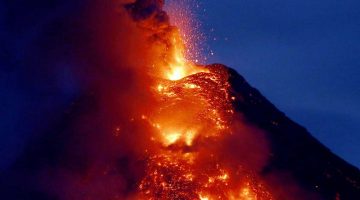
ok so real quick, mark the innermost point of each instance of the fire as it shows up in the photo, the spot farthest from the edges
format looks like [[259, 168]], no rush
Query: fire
[[189, 137], [203, 197], [194, 109], [176, 73], [179, 66], [193, 113], [171, 138]]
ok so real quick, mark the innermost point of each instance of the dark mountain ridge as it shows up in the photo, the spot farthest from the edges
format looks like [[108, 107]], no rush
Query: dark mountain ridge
[[293, 148]]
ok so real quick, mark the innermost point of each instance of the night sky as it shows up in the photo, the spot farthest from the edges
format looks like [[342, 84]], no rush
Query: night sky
[[304, 56]]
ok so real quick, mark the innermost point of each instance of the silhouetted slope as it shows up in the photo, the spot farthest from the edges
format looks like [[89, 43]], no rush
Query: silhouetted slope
[[293, 148]]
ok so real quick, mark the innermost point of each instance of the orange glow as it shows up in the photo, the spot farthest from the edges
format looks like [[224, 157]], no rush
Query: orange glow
[[204, 197], [245, 194], [171, 138], [178, 66], [189, 137], [193, 106], [191, 116]]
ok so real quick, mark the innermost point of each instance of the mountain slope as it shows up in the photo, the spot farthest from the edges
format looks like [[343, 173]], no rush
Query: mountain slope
[[293, 148]]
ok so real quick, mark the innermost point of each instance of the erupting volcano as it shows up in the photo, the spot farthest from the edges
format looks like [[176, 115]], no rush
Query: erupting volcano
[[192, 112], [191, 115], [165, 128]]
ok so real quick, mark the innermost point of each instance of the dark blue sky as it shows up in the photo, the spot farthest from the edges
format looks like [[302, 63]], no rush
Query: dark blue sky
[[304, 56]]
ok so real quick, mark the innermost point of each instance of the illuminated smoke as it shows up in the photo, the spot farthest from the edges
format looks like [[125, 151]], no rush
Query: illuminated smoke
[[164, 40], [154, 125], [192, 118]]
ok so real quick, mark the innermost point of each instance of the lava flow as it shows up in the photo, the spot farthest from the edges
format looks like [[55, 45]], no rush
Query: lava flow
[[192, 118]]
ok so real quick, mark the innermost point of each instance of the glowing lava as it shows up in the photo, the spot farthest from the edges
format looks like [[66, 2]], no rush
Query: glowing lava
[[178, 66], [192, 116], [194, 113]]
